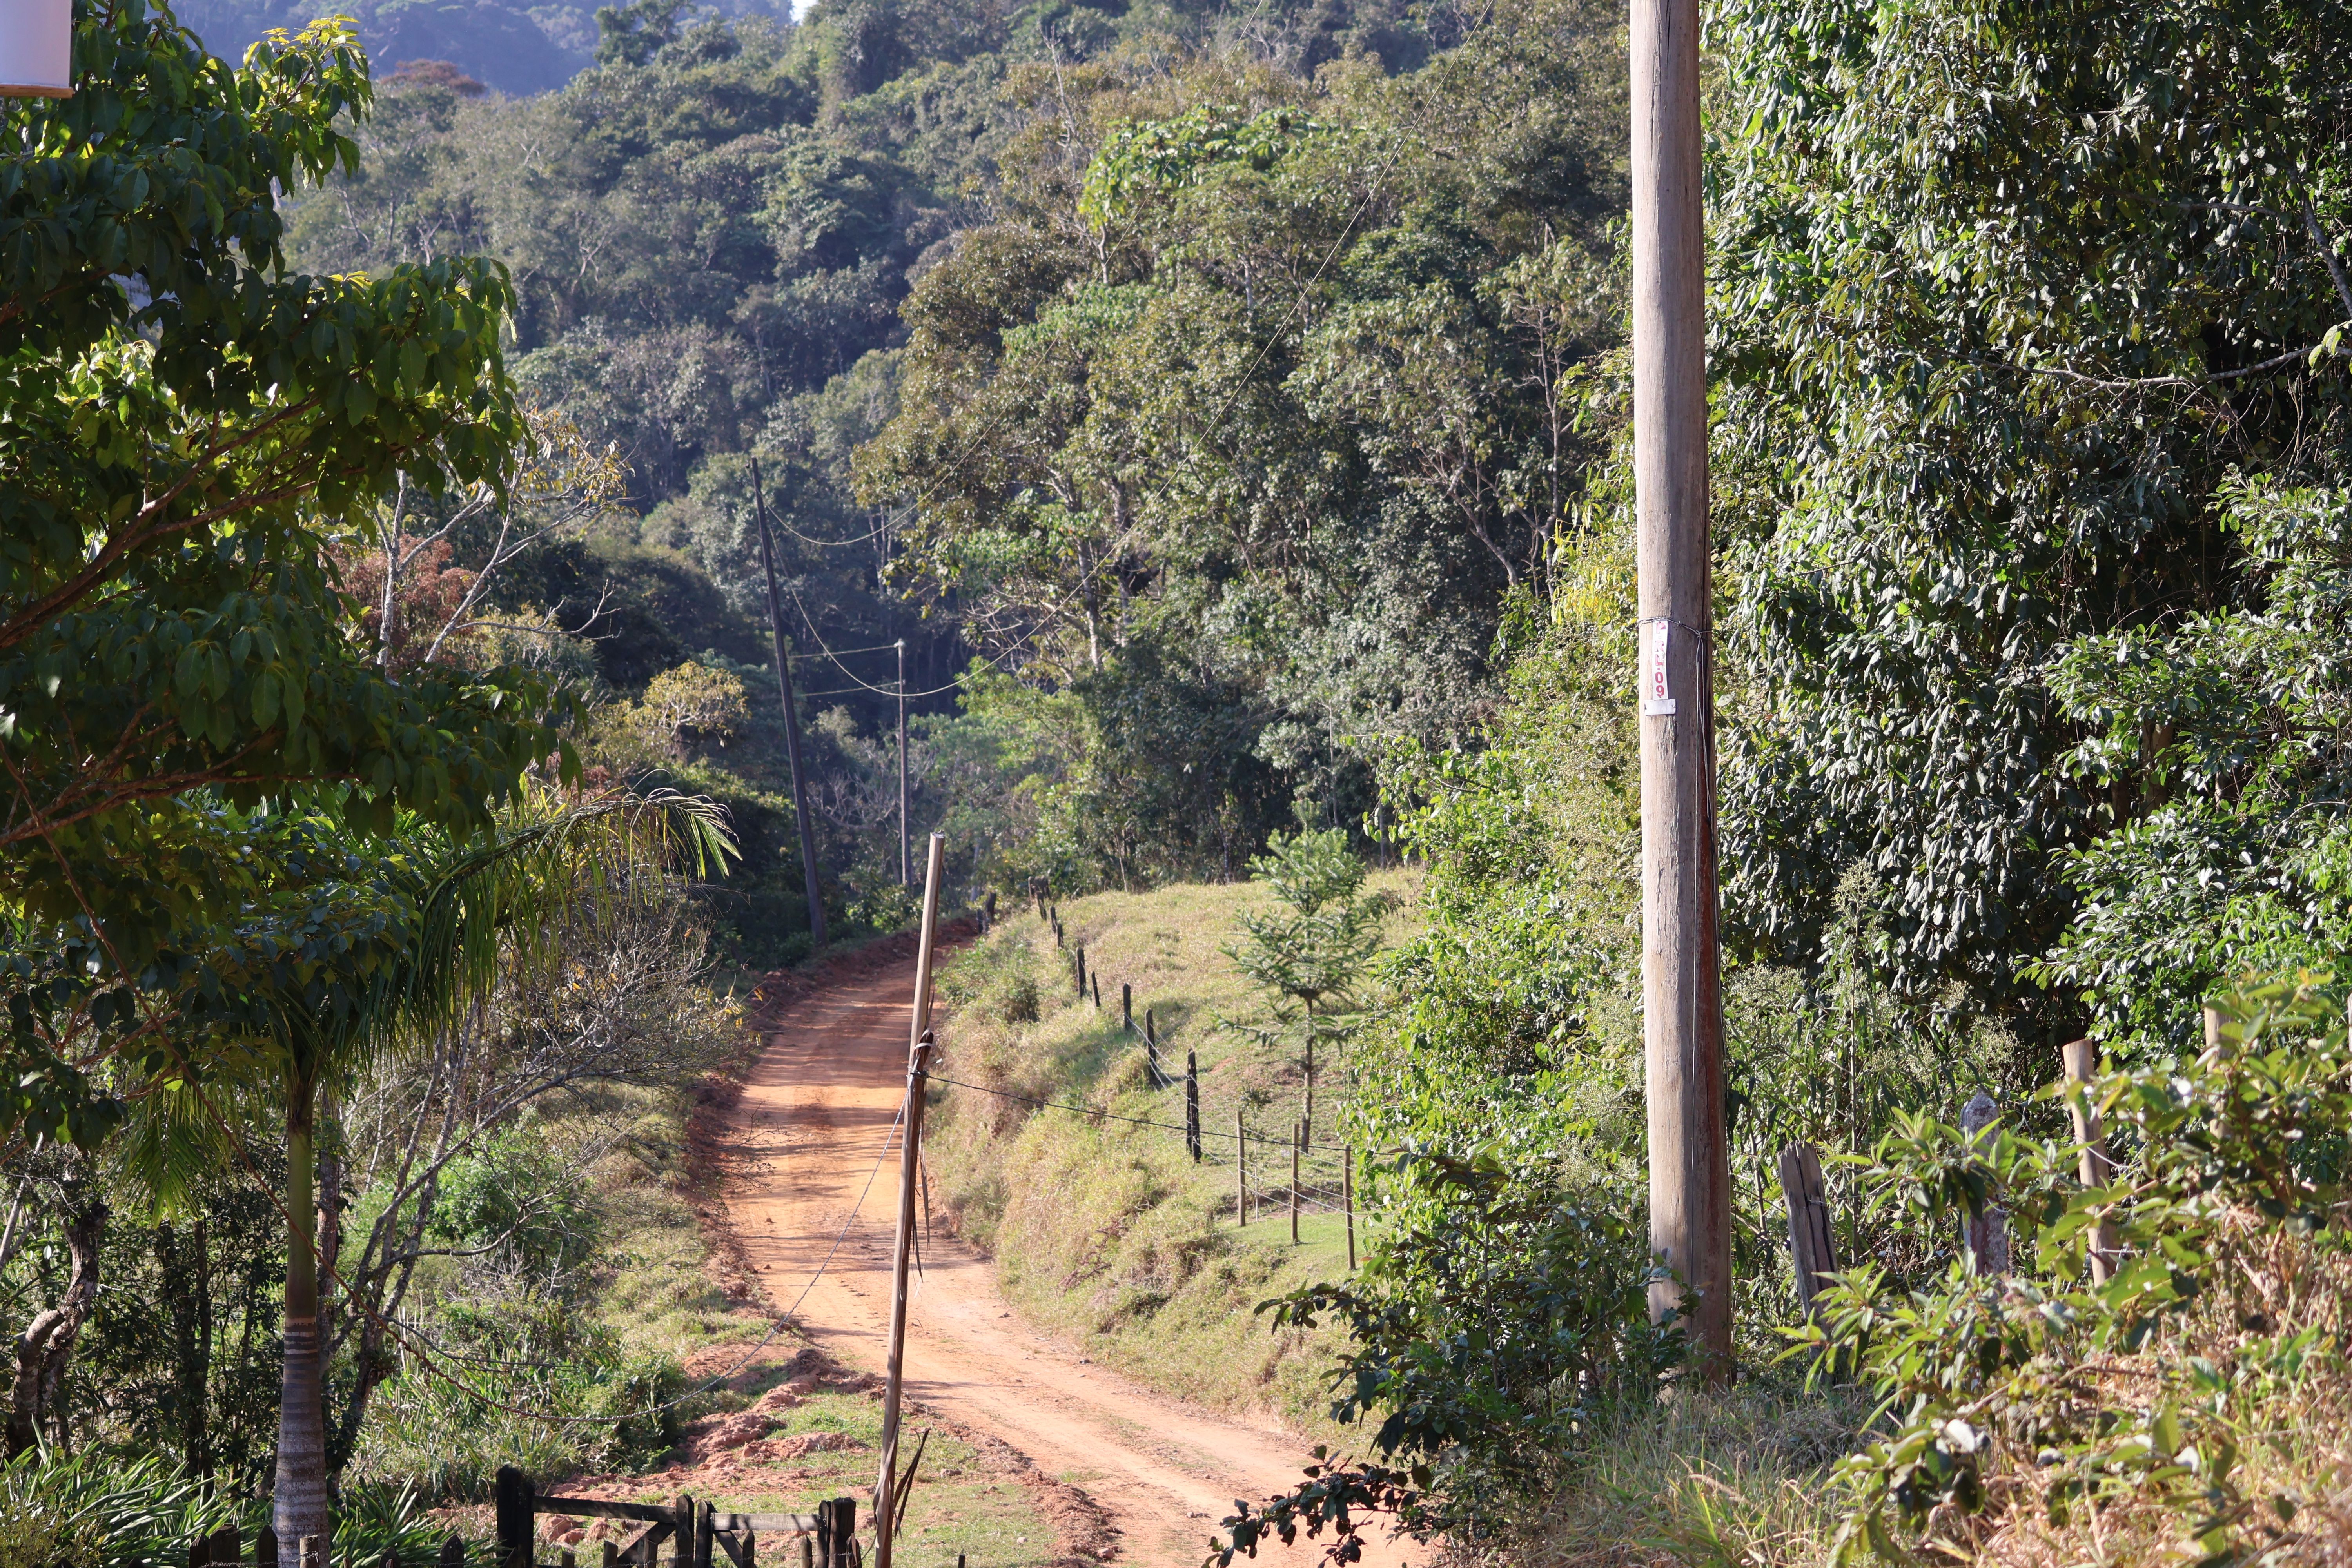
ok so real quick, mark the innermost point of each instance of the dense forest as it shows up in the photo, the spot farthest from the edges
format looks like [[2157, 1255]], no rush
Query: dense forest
[[1210, 427]]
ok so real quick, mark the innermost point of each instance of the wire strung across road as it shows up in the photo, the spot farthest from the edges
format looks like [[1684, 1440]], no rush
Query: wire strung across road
[[1089, 1111]]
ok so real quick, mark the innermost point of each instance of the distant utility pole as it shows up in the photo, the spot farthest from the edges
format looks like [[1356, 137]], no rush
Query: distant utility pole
[[791, 716], [1682, 983], [906, 854]]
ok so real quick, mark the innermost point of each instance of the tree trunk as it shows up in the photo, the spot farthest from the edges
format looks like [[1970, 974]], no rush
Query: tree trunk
[[47, 1343], [300, 1503], [187, 1291]]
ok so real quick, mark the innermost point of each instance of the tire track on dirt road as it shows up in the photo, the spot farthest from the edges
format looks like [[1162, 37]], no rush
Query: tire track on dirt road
[[801, 1140]]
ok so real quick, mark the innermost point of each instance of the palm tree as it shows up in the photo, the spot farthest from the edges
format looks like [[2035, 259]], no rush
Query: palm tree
[[355, 954]]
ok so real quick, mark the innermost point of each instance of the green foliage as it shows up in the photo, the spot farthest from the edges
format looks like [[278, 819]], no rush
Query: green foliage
[[2005, 297], [1140, 160], [1498, 1322], [181, 411], [2223, 1218], [514, 1201], [1290, 522], [2218, 724], [447, 1433], [1310, 954], [97, 1509]]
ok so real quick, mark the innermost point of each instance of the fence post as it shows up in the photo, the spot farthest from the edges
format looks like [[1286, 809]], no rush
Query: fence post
[[1348, 1198], [1298, 1142], [515, 1502], [1082, 972], [453, 1551], [683, 1517], [1095, 980], [1127, 1007], [1241, 1169], [265, 1549], [1985, 1238], [1193, 1105], [2096, 1169], [1812, 1255]]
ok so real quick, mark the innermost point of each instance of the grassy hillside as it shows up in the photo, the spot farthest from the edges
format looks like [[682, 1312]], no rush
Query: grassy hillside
[[1105, 1231]]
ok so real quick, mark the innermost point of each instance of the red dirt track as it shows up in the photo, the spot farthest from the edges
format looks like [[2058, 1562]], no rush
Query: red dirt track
[[803, 1153]]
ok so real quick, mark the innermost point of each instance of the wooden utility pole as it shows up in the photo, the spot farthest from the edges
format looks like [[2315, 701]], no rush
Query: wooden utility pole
[[1682, 986], [791, 716], [906, 850], [910, 1152]]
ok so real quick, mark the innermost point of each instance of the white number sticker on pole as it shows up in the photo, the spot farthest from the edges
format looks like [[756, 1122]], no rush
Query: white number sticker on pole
[[1656, 697]]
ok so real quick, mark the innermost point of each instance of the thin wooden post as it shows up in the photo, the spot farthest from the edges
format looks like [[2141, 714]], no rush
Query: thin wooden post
[[1193, 1105], [1298, 1142], [905, 850], [514, 1503], [1348, 1198], [1241, 1169], [1812, 1254], [2095, 1169], [1127, 1007], [706, 1534], [682, 1517], [1682, 982], [265, 1549], [612, 1555], [909, 1155], [453, 1551], [310, 1551], [1082, 972], [1985, 1239], [792, 718], [1095, 979]]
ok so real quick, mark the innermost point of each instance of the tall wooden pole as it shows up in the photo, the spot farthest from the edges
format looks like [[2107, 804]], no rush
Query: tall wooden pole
[[791, 716], [905, 852], [1681, 987], [910, 1152]]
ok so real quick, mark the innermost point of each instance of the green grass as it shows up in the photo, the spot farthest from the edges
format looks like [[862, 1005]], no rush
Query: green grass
[[1107, 1232]]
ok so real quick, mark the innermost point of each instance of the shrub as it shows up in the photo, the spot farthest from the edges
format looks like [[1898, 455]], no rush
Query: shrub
[[1495, 1324], [2153, 1400]]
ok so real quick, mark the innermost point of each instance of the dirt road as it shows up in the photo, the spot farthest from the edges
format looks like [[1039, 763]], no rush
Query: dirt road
[[806, 1145]]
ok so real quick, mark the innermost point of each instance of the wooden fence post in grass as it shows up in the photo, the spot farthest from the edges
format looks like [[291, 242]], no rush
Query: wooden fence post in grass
[[1812, 1254], [1193, 1105], [453, 1553], [1241, 1169], [1985, 1238], [1152, 1049], [1095, 980], [2096, 1170], [1298, 1142], [1127, 1007], [513, 1504], [682, 1523], [1348, 1198], [1082, 972]]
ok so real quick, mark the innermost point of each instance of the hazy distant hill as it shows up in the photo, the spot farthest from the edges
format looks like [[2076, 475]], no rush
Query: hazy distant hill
[[514, 48]]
